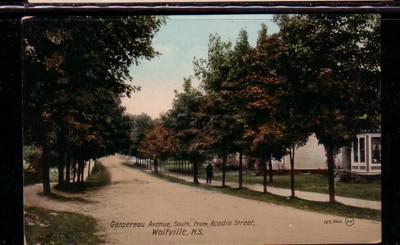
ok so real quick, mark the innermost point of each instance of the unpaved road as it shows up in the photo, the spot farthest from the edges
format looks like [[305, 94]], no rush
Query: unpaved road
[[135, 196]]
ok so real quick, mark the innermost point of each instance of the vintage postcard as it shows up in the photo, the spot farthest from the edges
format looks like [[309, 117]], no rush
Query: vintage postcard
[[202, 129]]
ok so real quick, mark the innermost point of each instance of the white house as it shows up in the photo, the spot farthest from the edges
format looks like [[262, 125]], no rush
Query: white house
[[364, 155]]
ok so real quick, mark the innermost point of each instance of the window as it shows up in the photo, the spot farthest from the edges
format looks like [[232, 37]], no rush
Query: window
[[355, 151], [362, 149], [376, 149]]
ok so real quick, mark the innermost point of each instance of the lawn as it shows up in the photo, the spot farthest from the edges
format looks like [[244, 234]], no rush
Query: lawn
[[44, 226], [318, 183]]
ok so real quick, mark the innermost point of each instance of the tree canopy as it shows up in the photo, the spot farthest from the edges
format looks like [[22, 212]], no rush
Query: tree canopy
[[73, 83]]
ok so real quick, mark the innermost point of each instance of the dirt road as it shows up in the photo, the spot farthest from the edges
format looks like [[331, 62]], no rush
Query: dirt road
[[135, 198]]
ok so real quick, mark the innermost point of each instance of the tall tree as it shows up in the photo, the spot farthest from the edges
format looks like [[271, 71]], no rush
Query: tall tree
[[286, 62], [64, 67], [183, 120], [339, 75], [220, 73]]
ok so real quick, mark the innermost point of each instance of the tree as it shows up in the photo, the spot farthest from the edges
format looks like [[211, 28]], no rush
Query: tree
[[220, 73], [183, 120], [139, 125], [158, 143], [65, 69], [293, 113], [339, 75]]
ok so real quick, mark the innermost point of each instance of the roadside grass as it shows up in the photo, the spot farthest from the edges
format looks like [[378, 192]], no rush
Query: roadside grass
[[338, 209], [45, 226], [312, 183], [317, 183], [100, 176]]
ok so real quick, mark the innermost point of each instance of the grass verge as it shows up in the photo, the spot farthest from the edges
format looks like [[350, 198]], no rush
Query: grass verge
[[319, 184], [100, 176], [44, 226], [312, 183], [321, 207]]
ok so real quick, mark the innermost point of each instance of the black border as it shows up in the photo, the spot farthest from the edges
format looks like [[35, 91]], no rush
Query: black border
[[48, 10], [11, 187]]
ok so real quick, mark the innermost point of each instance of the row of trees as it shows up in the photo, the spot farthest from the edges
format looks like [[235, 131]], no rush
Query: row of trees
[[75, 71], [318, 75]]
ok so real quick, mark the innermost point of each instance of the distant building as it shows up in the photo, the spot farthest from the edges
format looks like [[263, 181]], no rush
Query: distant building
[[363, 156], [311, 156]]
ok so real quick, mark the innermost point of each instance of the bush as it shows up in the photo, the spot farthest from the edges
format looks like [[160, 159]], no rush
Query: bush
[[31, 177], [31, 156], [100, 176], [346, 177]]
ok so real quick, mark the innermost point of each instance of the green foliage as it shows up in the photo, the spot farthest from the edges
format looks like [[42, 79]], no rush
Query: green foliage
[[140, 124], [100, 176], [31, 156], [331, 63], [73, 83], [339, 75], [183, 120]]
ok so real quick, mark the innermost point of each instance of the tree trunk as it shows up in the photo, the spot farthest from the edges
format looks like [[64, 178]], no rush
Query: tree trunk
[[68, 172], [74, 171], [83, 171], [264, 166], [195, 172], [78, 176], [330, 155], [240, 170], [156, 165], [60, 174], [88, 172], [291, 153], [223, 168], [270, 173], [45, 171]]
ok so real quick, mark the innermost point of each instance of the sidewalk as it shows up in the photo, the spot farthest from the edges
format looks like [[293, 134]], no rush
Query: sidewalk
[[312, 196]]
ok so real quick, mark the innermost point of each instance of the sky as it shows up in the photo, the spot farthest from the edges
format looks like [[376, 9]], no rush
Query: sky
[[179, 41]]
